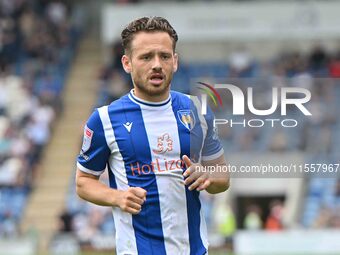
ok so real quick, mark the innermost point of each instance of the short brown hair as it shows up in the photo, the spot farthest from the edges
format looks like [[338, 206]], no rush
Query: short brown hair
[[147, 24]]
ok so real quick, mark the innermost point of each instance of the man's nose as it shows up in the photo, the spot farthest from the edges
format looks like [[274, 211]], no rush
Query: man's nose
[[156, 65]]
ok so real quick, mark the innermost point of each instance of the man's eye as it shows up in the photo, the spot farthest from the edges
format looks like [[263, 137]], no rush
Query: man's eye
[[165, 57], [146, 57]]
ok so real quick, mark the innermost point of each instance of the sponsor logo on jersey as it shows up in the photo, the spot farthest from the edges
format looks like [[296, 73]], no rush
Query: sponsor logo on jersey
[[87, 139], [187, 118], [164, 144], [158, 166], [84, 156], [128, 126]]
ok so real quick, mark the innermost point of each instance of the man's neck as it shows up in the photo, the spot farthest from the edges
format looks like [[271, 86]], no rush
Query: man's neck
[[155, 99]]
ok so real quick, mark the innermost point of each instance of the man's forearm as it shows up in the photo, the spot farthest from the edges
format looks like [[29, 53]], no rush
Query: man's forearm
[[96, 192], [219, 180], [218, 185]]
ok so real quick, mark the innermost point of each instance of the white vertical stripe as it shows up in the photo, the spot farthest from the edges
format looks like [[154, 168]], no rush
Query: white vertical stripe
[[203, 228], [125, 234], [204, 126], [171, 189], [202, 120]]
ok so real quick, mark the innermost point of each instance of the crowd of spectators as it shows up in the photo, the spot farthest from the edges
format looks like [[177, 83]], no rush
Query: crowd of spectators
[[315, 71], [37, 42]]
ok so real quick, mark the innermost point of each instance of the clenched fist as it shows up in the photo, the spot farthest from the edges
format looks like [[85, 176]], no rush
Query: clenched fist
[[131, 200]]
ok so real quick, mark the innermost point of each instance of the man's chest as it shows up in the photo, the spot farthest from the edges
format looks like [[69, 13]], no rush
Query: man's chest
[[146, 137], [153, 135]]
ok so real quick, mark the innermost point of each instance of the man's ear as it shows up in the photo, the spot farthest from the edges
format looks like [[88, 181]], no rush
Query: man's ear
[[126, 63], [175, 62]]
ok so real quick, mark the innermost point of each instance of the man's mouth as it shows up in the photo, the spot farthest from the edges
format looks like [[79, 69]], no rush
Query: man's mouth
[[156, 79]]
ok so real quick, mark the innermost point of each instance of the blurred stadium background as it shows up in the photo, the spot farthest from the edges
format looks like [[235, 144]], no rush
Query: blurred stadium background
[[60, 59]]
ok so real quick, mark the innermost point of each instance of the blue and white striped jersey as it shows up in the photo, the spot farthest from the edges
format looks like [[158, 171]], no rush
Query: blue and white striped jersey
[[141, 144]]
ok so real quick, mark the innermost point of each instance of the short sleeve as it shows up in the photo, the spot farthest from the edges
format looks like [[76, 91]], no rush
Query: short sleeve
[[212, 147], [95, 152]]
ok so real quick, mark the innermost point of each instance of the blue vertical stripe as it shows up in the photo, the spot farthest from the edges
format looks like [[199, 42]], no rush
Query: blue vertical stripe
[[190, 140], [95, 152], [148, 223], [112, 179]]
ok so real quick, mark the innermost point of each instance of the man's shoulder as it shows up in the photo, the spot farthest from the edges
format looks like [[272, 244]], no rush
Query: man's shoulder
[[180, 98], [185, 99], [176, 94], [116, 104]]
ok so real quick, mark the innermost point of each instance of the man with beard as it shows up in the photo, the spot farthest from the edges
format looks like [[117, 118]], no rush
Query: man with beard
[[148, 140]]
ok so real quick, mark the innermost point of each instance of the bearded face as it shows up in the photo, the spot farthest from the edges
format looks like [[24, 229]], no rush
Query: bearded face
[[151, 63]]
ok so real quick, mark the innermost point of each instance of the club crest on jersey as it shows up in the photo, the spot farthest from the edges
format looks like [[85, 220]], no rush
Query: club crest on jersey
[[187, 118], [88, 134]]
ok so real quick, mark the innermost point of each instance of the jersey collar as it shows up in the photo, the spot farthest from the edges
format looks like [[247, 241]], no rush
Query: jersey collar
[[148, 103]]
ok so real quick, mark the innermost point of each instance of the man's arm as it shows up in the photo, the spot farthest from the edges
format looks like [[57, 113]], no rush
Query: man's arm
[[200, 179], [89, 188], [220, 181]]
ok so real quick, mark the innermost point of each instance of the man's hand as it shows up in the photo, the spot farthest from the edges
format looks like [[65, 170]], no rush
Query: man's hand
[[131, 200], [200, 179], [195, 176]]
